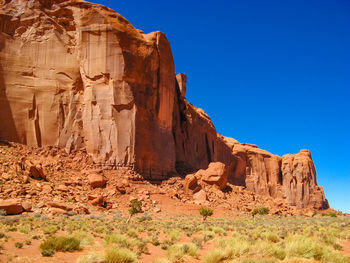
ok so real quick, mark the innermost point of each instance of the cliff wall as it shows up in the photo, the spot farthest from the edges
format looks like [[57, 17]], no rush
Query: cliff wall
[[80, 76]]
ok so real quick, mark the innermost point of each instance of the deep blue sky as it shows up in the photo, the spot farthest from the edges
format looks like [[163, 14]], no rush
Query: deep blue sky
[[273, 73]]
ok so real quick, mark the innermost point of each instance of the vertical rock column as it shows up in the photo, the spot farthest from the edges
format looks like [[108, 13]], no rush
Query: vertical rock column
[[299, 178], [109, 108]]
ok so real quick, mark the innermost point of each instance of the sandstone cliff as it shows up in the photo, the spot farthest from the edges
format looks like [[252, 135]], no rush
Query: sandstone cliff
[[80, 76]]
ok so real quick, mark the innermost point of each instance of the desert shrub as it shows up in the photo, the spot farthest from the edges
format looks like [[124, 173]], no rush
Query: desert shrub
[[333, 214], [50, 229], [61, 243], [28, 242], [141, 247], [132, 233], [228, 248], [260, 260], [47, 252], [120, 255], [35, 237], [198, 242], [207, 235], [272, 237], [215, 256], [91, 258], [161, 260], [174, 235], [205, 212], [135, 208], [269, 250], [177, 252], [154, 240], [165, 244], [119, 240], [260, 211], [218, 230], [299, 246], [18, 244], [84, 238]]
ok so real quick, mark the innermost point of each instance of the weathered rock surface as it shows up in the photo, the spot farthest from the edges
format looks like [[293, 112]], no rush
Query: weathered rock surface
[[11, 206], [216, 174], [96, 180], [79, 76], [299, 181]]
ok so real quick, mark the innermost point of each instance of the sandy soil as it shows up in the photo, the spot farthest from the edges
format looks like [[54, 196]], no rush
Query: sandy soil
[[346, 248]]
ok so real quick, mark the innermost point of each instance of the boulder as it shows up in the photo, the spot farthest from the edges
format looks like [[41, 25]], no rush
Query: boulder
[[27, 206], [36, 170], [60, 205], [58, 211], [98, 201], [191, 184], [97, 180], [200, 196], [122, 185], [215, 174], [11, 206]]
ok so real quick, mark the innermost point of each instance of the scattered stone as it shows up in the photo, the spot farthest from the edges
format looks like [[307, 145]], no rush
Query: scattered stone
[[46, 189], [99, 201], [11, 206], [36, 171], [59, 211], [62, 206], [157, 210], [27, 206], [96, 180], [200, 196], [72, 213], [25, 179]]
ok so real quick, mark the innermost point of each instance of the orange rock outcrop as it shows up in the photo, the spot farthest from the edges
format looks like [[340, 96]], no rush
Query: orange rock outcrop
[[79, 76]]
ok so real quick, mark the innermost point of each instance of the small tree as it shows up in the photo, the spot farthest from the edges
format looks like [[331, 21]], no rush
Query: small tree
[[205, 212], [260, 211], [135, 208]]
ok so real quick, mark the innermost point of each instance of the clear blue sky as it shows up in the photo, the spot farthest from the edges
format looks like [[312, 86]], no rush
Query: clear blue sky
[[273, 73]]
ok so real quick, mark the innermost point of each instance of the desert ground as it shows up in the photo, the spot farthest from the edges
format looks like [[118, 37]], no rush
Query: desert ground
[[167, 237]]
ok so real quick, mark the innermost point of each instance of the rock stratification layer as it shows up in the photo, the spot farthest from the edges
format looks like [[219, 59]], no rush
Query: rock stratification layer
[[80, 76]]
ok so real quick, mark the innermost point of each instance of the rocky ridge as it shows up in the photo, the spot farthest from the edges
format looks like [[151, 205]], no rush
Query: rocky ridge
[[78, 76], [72, 184]]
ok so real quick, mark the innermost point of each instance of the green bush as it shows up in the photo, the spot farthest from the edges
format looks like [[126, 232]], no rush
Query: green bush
[[63, 244], [260, 211], [135, 208], [205, 212], [47, 252], [18, 245]]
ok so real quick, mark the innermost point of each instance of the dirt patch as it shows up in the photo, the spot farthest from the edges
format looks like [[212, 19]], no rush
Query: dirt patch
[[346, 248]]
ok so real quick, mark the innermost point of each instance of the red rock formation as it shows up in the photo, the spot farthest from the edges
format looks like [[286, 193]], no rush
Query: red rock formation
[[11, 206], [216, 174], [299, 181], [80, 76]]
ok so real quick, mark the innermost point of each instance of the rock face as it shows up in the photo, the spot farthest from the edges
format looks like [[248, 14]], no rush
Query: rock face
[[299, 181], [78, 75], [11, 206]]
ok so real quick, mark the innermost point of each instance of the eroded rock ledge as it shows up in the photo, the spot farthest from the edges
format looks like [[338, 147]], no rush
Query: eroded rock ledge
[[80, 76]]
